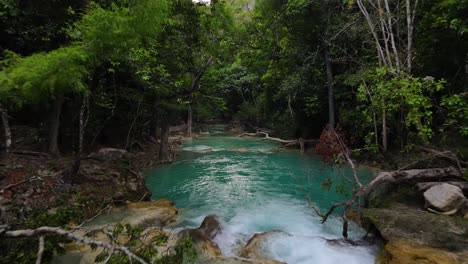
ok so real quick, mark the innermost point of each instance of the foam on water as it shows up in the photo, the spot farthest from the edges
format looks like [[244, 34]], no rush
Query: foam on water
[[254, 193]]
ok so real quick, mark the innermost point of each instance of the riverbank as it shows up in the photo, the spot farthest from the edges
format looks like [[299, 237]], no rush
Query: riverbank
[[35, 191], [116, 179]]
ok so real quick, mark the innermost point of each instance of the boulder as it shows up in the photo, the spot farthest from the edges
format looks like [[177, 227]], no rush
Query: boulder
[[158, 213], [254, 248], [208, 230], [111, 154], [444, 197], [405, 228], [202, 238], [403, 252]]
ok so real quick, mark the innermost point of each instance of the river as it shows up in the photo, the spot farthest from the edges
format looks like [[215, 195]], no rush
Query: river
[[255, 187]]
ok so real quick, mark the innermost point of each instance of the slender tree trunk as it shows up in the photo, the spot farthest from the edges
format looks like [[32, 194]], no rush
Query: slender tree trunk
[[189, 121], [164, 155], [392, 38], [410, 16], [331, 100], [84, 115], [384, 131], [54, 126], [6, 128]]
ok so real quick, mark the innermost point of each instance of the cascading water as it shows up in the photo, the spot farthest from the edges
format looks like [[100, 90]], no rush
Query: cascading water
[[254, 187]]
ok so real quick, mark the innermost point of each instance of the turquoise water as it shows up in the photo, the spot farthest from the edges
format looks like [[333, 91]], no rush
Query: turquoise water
[[254, 187]]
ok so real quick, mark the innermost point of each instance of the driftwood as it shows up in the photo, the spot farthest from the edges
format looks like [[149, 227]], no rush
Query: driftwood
[[363, 191], [30, 153], [19, 183], [392, 177], [286, 143]]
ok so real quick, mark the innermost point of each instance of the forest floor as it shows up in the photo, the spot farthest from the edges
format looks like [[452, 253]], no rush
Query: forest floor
[[33, 180]]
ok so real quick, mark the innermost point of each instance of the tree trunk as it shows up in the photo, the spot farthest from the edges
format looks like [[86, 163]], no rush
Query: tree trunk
[[6, 128], [84, 115], [164, 155], [189, 121], [409, 21], [331, 101], [54, 126], [384, 131]]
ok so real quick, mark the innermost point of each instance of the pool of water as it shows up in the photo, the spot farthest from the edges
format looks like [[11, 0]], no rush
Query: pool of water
[[255, 187]]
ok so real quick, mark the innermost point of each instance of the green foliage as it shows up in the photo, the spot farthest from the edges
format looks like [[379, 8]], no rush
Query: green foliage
[[109, 33], [457, 112], [41, 77], [183, 252], [24, 250], [404, 100]]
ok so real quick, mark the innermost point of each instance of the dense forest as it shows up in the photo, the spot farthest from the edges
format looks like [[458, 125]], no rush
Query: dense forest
[[390, 76], [388, 73]]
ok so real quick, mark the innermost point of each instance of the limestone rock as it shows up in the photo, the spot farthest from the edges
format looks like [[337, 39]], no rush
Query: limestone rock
[[403, 252], [401, 225], [203, 151], [202, 238], [111, 154], [254, 247], [238, 150], [158, 213], [444, 197], [146, 204], [209, 228]]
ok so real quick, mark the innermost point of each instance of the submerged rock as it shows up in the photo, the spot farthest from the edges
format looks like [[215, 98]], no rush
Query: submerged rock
[[238, 150], [203, 151]]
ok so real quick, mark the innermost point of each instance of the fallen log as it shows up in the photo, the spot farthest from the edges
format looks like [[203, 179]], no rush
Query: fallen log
[[286, 143], [30, 153], [392, 177], [45, 230]]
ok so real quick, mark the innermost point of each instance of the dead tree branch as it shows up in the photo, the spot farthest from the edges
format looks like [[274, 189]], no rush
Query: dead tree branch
[[40, 251], [46, 230], [19, 183]]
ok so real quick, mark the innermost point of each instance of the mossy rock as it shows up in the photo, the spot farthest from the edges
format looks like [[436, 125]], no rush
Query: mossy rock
[[403, 252]]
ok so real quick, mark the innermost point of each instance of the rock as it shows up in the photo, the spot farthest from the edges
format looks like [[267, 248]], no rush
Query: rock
[[132, 186], [444, 197], [254, 247], [203, 151], [209, 228], [232, 260], [202, 238], [158, 213], [401, 225], [111, 154], [238, 149], [157, 203], [403, 252]]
